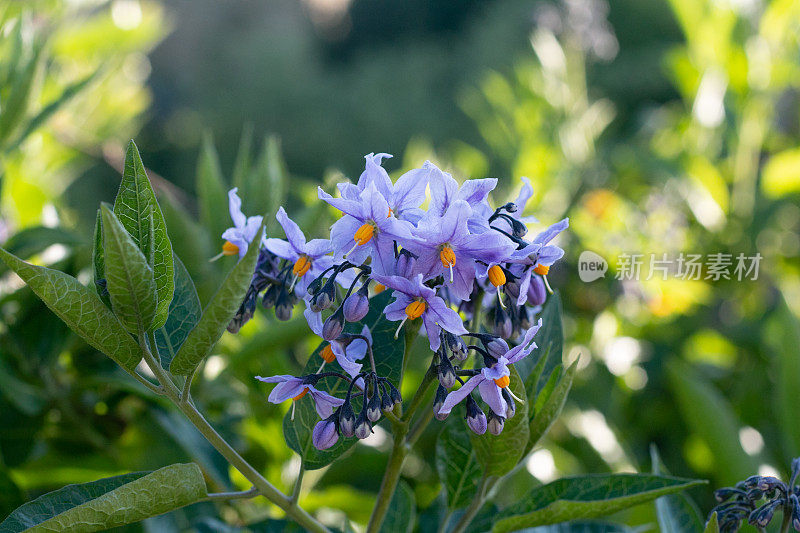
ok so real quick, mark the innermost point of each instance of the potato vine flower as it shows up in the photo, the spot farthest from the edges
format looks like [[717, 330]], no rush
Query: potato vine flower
[[239, 237], [309, 259], [445, 191], [414, 299], [296, 388], [345, 351]]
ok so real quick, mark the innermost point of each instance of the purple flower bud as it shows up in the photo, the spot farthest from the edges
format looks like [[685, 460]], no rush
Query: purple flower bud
[[363, 428], [438, 401], [325, 435], [284, 306], [374, 408], [525, 321], [395, 394], [496, 348], [495, 424], [356, 306], [511, 288], [405, 265], [447, 376], [476, 419], [537, 293], [324, 298], [503, 327], [347, 419], [270, 298], [333, 326], [387, 404], [456, 345], [511, 408]]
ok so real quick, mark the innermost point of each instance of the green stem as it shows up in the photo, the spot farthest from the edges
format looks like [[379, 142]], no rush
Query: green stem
[[298, 483], [264, 487], [252, 493], [787, 519], [390, 478], [474, 506]]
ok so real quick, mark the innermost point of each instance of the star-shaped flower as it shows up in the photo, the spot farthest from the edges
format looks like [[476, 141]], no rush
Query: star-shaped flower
[[414, 299], [295, 388], [244, 230]]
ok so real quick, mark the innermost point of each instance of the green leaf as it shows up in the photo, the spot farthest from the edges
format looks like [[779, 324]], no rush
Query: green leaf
[[549, 409], [16, 103], [272, 190], [80, 308], [550, 344], [110, 502], [456, 463], [29, 399], [716, 422], [589, 526], [11, 496], [783, 337], [241, 168], [712, 526], [211, 190], [590, 496], [129, 278], [388, 360], [31, 241], [218, 313], [401, 514], [498, 454], [184, 313], [98, 261], [140, 215], [676, 513]]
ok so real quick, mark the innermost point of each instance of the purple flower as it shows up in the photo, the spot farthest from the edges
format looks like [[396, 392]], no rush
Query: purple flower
[[310, 258], [445, 191], [521, 201], [536, 260], [443, 245], [492, 380], [403, 197], [346, 351], [368, 229], [414, 299], [244, 230], [295, 388]]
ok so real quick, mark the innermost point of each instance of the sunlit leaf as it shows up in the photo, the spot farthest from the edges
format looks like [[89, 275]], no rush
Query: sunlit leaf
[[218, 313], [129, 278], [586, 497], [139, 212], [80, 308], [110, 502], [712, 526]]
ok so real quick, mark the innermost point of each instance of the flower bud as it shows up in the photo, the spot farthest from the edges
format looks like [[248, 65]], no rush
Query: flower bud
[[438, 402], [333, 326], [270, 298], [496, 347], [537, 293], [324, 298], [315, 286], [405, 264], [495, 424], [518, 228], [374, 407], [356, 306], [511, 408], [395, 394], [476, 419], [511, 288], [511, 207], [363, 428], [347, 419], [325, 435], [456, 346], [447, 376], [387, 404], [503, 327], [284, 306]]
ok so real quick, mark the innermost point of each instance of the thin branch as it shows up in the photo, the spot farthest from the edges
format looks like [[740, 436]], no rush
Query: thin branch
[[298, 484], [147, 383], [252, 493]]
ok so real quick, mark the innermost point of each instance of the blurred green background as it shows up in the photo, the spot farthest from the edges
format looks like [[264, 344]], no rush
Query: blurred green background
[[657, 126]]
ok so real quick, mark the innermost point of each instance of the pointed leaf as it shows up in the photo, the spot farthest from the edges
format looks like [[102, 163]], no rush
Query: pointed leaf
[[388, 360], [80, 308], [550, 342], [712, 526], [457, 463], [218, 313], [548, 412], [676, 513], [586, 497], [129, 278], [184, 313], [211, 190], [241, 168], [783, 337], [267, 186], [98, 261], [138, 211], [498, 454], [110, 502], [401, 515]]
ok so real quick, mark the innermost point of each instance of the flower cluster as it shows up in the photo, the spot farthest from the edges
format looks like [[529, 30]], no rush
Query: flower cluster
[[756, 499], [457, 259]]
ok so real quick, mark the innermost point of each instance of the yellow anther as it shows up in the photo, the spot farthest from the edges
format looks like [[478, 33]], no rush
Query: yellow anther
[[378, 288], [415, 309], [496, 276], [301, 266], [327, 354], [364, 233], [542, 270], [447, 256], [503, 382], [305, 391], [229, 248]]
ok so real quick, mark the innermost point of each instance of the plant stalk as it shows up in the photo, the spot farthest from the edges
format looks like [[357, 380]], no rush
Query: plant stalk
[[474, 506], [390, 478]]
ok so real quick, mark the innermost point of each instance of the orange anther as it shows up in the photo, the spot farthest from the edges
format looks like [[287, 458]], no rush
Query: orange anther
[[327, 354], [542, 270], [496, 276], [415, 309], [301, 266], [305, 391], [447, 256], [364, 233], [229, 248], [503, 382]]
